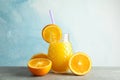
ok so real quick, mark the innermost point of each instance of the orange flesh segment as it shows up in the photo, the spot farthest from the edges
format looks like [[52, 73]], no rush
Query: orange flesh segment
[[39, 66], [39, 63], [80, 64]]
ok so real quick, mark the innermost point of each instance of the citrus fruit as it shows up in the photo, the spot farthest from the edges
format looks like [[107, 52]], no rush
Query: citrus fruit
[[51, 32], [59, 53], [80, 63], [39, 55], [39, 66]]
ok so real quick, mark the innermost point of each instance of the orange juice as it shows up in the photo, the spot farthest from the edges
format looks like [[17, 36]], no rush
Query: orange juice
[[59, 53]]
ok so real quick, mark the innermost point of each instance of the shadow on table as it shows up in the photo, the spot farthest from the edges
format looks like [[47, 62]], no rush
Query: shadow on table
[[24, 72], [63, 74]]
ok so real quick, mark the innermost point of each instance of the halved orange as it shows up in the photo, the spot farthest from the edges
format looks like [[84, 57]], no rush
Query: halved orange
[[51, 32], [80, 63], [39, 66], [39, 55]]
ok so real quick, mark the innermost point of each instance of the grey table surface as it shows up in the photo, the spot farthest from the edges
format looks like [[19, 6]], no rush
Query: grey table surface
[[96, 73]]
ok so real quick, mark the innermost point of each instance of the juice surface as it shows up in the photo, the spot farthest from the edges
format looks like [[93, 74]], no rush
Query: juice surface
[[60, 53]]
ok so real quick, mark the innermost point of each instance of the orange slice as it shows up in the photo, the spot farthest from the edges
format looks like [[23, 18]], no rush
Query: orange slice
[[39, 66], [80, 63], [51, 32], [39, 55]]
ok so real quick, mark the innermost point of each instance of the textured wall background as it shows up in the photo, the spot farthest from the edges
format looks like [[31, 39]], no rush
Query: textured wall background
[[93, 25]]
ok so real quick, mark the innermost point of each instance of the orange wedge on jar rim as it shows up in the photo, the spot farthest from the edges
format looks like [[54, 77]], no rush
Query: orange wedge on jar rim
[[51, 33], [80, 63], [39, 66]]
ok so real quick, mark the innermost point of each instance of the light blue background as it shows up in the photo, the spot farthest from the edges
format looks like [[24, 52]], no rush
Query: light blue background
[[93, 25]]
